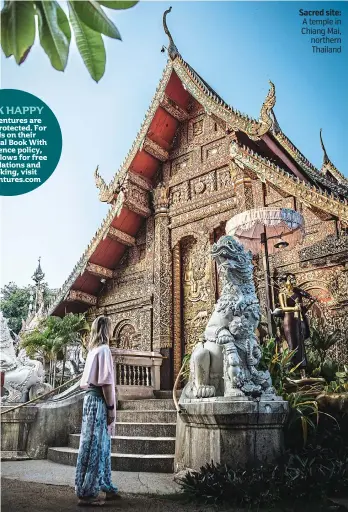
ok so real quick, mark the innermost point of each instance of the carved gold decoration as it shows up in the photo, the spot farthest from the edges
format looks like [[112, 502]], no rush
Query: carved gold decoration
[[237, 121], [197, 128], [137, 199], [125, 336], [120, 236], [267, 171], [155, 150], [328, 250], [160, 198], [182, 164], [174, 109], [339, 285], [78, 296], [98, 271], [205, 185], [162, 300], [197, 290], [208, 214], [215, 150], [138, 180], [177, 310]]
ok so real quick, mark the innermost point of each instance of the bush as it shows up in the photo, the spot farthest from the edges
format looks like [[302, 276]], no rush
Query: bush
[[313, 474]]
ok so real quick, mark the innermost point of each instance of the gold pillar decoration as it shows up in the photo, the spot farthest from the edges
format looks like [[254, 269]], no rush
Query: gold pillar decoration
[[197, 290], [162, 301], [177, 310]]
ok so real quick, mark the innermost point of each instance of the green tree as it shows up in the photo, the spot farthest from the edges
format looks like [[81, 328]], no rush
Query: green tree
[[50, 339], [86, 19], [14, 302]]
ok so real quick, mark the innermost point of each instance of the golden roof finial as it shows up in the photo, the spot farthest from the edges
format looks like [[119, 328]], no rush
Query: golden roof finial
[[268, 105], [172, 49], [326, 159]]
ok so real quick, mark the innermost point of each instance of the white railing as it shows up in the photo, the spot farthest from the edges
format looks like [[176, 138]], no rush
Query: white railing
[[137, 373]]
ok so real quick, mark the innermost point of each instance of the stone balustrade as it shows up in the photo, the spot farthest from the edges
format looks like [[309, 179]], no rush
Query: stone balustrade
[[137, 372]]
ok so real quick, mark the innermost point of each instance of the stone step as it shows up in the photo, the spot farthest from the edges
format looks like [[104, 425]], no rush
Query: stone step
[[146, 405], [147, 416], [145, 429], [134, 444], [119, 461], [15, 455], [164, 394]]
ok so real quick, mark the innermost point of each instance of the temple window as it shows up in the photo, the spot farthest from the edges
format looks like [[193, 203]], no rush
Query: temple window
[[124, 336]]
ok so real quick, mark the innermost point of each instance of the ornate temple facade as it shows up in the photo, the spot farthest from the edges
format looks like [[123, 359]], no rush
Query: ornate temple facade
[[195, 163]]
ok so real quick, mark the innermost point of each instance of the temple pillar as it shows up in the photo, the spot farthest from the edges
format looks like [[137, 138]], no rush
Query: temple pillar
[[243, 186], [162, 299]]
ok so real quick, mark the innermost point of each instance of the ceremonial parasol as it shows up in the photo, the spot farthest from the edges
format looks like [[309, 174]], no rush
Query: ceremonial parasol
[[254, 228], [283, 224]]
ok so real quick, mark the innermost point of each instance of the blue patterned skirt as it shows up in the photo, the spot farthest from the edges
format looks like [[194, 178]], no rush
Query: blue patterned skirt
[[93, 469]]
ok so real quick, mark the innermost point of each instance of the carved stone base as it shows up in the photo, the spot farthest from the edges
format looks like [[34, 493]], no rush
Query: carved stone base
[[229, 432]]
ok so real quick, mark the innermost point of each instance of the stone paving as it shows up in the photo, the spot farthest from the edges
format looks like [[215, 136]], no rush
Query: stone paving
[[24, 496], [44, 486], [47, 472]]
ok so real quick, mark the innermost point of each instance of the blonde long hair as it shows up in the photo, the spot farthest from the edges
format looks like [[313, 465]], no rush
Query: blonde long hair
[[100, 332]]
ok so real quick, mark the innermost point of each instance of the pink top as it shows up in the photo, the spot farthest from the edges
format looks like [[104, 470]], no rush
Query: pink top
[[99, 370]]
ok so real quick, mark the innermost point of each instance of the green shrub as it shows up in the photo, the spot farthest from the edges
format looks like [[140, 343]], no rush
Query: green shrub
[[313, 474]]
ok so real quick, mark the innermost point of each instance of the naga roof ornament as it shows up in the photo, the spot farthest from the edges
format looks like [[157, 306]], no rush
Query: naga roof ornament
[[105, 195], [172, 49], [267, 107], [328, 167]]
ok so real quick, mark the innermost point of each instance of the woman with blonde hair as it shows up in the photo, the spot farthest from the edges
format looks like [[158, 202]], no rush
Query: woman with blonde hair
[[93, 470]]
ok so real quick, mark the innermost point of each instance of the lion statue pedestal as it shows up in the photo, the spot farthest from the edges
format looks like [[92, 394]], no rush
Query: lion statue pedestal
[[229, 412]]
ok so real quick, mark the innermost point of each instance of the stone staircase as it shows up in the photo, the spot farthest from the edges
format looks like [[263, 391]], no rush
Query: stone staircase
[[144, 440]]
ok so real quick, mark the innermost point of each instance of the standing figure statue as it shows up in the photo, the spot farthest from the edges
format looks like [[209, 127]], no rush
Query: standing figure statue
[[295, 320]]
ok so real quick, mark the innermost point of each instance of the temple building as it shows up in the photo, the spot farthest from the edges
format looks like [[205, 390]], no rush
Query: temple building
[[195, 163]]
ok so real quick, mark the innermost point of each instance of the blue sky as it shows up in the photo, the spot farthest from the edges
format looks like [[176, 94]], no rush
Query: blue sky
[[236, 46]]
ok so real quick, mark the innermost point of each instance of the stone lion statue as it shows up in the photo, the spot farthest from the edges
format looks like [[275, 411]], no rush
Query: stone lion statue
[[224, 362], [21, 373]]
